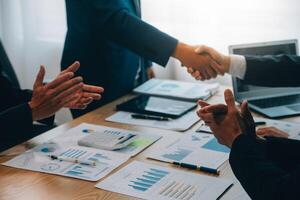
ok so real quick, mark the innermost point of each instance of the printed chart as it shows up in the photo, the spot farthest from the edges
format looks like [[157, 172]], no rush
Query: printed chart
[[149, 181], [195, 148], [38, 159]]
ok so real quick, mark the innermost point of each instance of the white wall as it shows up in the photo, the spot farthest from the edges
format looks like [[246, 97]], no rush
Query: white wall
[[221, 23]]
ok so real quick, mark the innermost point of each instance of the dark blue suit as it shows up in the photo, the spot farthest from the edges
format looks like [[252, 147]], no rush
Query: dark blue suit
[[111, 42]]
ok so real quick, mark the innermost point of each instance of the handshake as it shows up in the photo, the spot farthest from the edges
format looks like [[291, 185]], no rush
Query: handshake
[[202, 62]]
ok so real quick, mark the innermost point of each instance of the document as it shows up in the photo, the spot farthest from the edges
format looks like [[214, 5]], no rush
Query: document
[[72, 136], [177, 89], [38, 159], [148, 181], [199, 149], [181, 124]]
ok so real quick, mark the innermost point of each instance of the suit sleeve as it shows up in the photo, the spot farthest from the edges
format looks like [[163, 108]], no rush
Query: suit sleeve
[[16, 125], [114, 19], [274, 71], [262, 177]]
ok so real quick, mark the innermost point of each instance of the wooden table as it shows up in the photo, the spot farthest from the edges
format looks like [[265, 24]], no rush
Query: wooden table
[[16, 184]]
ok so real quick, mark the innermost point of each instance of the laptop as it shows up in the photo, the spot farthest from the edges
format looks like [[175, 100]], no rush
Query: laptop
[[272, 102]]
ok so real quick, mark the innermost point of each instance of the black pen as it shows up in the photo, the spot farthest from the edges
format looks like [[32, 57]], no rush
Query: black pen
[[261, 123], [200, 168], [158, 118]]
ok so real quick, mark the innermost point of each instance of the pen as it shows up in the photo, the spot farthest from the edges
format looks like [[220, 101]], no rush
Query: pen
[[195, 167], [260, 123], [158, 118], [73, 160]]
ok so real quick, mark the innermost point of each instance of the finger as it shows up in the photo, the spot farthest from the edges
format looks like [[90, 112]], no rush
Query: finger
[[92, 88], [210, 72], [69, 101], [94, 96], [217, 109], [190, 70], [207, 117], [214, 65], [40, 77], [201, 49], [196, 74], [59, 80], [72, 68], [203, 103], [69, 92], [229, 99], [86, 101], [66, 85]]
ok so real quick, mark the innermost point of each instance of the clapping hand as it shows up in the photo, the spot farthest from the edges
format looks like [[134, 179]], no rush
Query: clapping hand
[[226, 121], [64, 91]]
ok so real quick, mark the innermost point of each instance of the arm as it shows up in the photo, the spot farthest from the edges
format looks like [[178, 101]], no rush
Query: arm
[[261, 177], [281, 71], [17, 123], [115, 20]]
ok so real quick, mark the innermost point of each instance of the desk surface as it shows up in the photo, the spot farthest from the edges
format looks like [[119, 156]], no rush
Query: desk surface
[[18, 184]]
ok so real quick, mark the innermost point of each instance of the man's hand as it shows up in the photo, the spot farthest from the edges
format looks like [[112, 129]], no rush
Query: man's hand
[[85, 96], [222, 61], [203, 65], [65, 91], [226, 121], [271, 131], [150, 73]]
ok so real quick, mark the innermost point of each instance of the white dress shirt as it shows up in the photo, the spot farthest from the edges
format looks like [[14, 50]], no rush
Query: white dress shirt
[[237, 66]]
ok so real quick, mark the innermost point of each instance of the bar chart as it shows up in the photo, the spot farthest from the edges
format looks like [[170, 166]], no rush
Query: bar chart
[[177, 155], [148, 179]]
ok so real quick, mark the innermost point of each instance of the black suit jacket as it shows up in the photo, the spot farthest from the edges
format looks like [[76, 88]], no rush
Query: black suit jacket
[[274, 71], [269, 169], [15, 115], [111, 41]]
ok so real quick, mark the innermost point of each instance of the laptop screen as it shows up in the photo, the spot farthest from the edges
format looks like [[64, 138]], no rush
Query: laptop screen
[[245, 91]]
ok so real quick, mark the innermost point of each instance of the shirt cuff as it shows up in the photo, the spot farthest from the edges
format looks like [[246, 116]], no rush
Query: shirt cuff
[[237, 66]]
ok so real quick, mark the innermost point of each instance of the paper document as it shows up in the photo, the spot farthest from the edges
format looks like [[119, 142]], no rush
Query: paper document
[[293, 129], [153, 182], [181, 124], [38, 160], [177, 89], [199, 149], [72, 136]]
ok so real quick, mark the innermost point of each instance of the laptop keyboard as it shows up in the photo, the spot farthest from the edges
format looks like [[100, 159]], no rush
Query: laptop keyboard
[[276, 101]]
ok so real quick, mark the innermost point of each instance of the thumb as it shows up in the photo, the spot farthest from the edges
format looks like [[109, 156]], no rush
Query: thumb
[[40, 77], [229, 99], [201, 49]]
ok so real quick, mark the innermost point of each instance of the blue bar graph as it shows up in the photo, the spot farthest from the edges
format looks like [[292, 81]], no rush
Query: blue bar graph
[[215, 146], [79, 171], [178, 155], [98, 157], [148, 179], [73, 153]]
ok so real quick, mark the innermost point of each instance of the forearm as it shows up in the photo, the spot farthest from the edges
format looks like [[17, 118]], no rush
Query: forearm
[[140, 37], [261, 177], [16, 125]]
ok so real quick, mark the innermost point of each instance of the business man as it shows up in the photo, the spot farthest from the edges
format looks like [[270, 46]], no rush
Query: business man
[[116, 47], [20, 108], [267, 168]]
